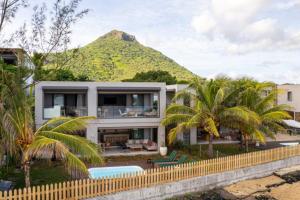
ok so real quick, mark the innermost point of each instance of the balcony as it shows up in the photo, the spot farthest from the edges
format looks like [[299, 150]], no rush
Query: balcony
[[65, 111], [113, 112]]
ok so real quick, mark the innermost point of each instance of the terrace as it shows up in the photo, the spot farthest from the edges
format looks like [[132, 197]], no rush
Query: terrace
[[128, 141], [129, 104], [68, 103]]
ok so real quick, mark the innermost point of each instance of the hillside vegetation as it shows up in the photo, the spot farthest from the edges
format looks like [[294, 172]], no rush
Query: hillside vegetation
[[117, 56]]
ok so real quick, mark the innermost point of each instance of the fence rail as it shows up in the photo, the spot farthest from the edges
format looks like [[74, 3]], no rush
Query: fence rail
[[79, 189]]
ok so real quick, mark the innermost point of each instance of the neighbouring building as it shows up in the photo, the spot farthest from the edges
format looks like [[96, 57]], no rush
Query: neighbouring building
[[289, 94], [15, 56]]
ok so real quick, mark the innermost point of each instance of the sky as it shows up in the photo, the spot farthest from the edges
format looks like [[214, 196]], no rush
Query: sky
[[256, 38]]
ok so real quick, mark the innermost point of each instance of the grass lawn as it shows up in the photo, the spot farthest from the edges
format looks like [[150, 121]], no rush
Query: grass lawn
[[199, 152], [42, 172], [192, 151]]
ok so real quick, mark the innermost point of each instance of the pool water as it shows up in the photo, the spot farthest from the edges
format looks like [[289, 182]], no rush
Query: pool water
[[102, 172]]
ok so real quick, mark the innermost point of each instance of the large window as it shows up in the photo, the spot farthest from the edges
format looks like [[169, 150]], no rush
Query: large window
[[138, 133], [67, 100], [186, 136], [137, 100], [289, 96]]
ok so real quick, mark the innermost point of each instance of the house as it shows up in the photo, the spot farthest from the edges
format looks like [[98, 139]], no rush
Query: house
[[16, 57], [128, 115], [289, 94]]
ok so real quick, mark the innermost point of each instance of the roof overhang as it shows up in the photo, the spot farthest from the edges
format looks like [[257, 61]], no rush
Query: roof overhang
[[64, 88], [129, 89], [292, 123]]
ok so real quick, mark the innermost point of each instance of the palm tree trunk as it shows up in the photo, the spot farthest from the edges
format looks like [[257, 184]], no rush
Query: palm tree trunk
[[210, 146], [246, 143], [241, 141], [27, 173]]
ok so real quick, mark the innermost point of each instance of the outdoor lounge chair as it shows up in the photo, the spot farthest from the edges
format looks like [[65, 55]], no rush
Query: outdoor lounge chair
[[181, 160], [170, 158], [122, 114]]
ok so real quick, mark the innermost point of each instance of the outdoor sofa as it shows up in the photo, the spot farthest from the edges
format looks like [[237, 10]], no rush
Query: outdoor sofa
[[141, 143]]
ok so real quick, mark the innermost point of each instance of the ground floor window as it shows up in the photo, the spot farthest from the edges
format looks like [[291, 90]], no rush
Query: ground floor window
[[187, 136], [138, 133], [119, 137]]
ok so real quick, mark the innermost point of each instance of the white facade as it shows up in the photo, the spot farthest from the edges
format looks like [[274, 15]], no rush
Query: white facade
[[87, 93], [289, 94], [190, 135]]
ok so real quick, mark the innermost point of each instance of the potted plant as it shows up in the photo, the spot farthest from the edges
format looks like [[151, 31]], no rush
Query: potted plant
[[163, 150]]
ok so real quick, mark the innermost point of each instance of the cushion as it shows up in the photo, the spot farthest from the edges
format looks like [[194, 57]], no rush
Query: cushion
[[130, 142]]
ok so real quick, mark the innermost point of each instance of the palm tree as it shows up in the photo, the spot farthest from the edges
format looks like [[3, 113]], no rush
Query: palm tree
[[57, 137], [207, 111], [260, 98]]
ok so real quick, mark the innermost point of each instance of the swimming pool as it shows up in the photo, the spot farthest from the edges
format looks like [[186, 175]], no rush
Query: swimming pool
[[101, 172]]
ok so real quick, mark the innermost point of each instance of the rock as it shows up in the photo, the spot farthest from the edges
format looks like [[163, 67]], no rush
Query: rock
[[287, 170]]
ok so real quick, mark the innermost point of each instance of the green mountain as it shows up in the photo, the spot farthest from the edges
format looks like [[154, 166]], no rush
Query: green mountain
[[117, 56]]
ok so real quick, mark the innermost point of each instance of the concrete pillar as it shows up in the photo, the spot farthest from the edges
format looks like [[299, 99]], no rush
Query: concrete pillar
[[162, 102], [161, 136], [38, 105], [92, 133], [193, 135], [92, 101]]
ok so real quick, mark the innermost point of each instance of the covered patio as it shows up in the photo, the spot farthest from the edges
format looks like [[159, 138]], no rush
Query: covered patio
[[128, 141]]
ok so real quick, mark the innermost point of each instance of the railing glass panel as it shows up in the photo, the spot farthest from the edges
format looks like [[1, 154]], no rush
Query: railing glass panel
[[127, 112], [67, 111]]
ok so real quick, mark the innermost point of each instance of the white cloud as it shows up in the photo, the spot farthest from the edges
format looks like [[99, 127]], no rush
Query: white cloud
[[238, 11], [204, 23], [284, 5], [244, 26], [265, 29]]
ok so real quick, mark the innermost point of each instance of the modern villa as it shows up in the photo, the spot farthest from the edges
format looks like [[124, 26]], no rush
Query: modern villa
[[128, 115]]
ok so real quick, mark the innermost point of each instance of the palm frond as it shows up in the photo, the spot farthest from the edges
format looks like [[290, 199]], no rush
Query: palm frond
[[259, 135], [77, 144], [276, 116], [175, 118], [43, 147], [72, 124], [74, 163], [219, 97], [174, 131], [178, 108], [210, 127]]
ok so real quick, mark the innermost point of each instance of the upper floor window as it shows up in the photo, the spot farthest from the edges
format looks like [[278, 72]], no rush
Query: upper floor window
[[289, 96]]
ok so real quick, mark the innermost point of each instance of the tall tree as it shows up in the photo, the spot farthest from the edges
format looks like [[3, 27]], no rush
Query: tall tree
[[8, 10], [49, 34], [154, 76], [56, 138], [261, 99], [207, 111]]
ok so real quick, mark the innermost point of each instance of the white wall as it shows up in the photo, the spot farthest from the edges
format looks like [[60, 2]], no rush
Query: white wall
[[282, 96]]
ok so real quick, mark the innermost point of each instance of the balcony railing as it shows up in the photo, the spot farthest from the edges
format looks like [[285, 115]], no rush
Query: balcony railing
[[66, 111], [127, 112]]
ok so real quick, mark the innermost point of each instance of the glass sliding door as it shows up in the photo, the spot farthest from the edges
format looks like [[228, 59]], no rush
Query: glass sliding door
[[137, 100]]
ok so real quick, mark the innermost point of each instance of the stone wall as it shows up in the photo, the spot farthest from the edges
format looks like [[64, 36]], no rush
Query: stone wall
[[201, 183]]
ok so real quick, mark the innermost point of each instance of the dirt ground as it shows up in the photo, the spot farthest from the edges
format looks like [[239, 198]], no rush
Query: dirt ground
[[246, 188]]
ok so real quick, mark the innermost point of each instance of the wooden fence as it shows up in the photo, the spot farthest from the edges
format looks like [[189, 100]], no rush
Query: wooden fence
[[80, 189]]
